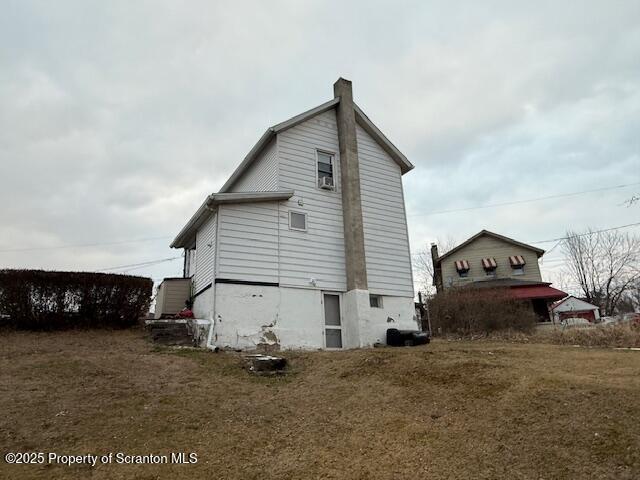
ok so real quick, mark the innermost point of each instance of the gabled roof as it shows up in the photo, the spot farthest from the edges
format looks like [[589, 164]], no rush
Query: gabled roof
[[587, 305], [271, 132], [187, 235], [539, 251]]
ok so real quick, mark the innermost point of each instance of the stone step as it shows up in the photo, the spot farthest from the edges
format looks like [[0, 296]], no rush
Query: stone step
[[178, 342], [174, 330], [170, 333]]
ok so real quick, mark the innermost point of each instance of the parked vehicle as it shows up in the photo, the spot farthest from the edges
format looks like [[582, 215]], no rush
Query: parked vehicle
[[575, 322]]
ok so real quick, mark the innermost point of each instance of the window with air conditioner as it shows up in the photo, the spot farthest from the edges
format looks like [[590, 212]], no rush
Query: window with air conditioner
[[325, 170], [298, 221]]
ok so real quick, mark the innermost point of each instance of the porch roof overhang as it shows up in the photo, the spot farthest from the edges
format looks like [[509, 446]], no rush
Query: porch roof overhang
[[186, 237], [533, 292]]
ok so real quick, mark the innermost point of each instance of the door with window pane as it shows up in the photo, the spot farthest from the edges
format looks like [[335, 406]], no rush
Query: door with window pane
[[332, 323]]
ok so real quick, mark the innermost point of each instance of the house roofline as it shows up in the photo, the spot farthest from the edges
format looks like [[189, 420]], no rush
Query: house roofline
[[361, 118], [270, 134], [187, 234], [538, 251], [369, 127], [568, 297]]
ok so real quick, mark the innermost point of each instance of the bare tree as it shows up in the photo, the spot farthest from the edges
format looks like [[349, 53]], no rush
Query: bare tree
[[423, 264], [606, 265]]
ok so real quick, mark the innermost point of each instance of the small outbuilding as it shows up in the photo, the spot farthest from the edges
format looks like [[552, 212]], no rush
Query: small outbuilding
[[573, 307]]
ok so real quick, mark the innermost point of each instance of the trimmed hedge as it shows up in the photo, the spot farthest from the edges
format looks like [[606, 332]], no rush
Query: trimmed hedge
[[43, 300]]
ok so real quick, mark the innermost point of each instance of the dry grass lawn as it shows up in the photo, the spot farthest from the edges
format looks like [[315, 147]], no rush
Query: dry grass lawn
[[448, 410]]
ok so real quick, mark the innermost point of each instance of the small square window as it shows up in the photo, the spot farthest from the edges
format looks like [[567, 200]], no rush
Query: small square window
[[375, 301], [517, 269], [298, 221], [463, 273]]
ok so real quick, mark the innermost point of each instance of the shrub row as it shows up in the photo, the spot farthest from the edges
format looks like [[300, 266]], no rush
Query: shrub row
[[465, 311], [43, 300]]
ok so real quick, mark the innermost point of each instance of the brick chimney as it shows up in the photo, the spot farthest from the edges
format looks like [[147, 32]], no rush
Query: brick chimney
[[437, 269]]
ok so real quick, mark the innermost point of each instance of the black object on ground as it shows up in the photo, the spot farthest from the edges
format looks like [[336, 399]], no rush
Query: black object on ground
[[406, 338]]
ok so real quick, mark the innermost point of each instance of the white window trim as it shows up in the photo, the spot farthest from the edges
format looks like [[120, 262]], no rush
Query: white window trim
[[306, 221], [517, 270], [333, 164]]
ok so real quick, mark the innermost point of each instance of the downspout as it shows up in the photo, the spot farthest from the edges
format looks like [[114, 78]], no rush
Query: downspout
[[212, 316]]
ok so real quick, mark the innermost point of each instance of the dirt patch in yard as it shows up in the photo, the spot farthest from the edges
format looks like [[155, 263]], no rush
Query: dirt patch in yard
[[446, 410]]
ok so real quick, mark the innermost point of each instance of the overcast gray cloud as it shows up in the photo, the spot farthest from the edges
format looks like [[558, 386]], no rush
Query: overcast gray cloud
[[117, 118]]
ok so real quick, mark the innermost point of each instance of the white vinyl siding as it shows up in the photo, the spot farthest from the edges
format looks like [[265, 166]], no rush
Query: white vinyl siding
[[190, 262], [385, 224], [317, 253], [205, 254], [248, 242], [262, 176]]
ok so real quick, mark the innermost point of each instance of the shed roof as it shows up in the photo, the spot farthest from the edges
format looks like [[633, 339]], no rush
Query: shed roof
[[583, 304]]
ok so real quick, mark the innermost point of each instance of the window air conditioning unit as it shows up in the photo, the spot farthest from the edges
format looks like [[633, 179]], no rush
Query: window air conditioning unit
[[326, 183]]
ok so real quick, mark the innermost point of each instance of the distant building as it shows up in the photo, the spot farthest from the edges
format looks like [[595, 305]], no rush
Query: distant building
[[490, 260], [573, 307]]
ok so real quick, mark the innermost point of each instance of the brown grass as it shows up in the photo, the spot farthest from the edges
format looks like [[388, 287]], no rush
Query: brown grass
[[615, 336], [622, 336], [447, 410]]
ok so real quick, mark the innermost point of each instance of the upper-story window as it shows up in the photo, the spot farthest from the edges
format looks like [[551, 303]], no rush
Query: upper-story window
[[462, 267], [517, 264], [490, 265], [325, 170]]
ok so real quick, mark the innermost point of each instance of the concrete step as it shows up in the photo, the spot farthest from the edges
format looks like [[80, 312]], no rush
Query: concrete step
[[171, 341], [170, 333]]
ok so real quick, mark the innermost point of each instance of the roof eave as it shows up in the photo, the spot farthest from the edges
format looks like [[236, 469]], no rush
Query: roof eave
[[539, 251], [270, 134], [383, 141], [188, 231], [187, 234]]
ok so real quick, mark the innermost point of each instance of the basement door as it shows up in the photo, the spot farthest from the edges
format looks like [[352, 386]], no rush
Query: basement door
[[332, 321]]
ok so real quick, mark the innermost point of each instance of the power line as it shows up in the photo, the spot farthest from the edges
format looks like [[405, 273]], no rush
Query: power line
[[82, 245], [588, 233], [517, 202], [134, 266]]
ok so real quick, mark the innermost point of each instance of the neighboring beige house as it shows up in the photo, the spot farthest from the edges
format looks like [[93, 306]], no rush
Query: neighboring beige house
[[490, 260]]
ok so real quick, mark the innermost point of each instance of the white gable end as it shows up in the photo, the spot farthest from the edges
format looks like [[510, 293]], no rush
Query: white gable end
[[386, 240], [318, 254], [574, 304], [262, 175]]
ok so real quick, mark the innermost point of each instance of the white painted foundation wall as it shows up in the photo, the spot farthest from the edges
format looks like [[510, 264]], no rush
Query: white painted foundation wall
[[248, 316]]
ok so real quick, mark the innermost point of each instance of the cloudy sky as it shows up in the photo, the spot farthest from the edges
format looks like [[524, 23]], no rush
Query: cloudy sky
[[117, 118]]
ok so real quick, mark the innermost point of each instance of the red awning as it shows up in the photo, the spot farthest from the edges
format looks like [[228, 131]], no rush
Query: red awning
[[516, 260], [489, 263], [537, 291], [462, 265]]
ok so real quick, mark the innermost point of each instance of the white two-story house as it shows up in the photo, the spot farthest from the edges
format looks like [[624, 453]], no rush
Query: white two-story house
[[306, 245]]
